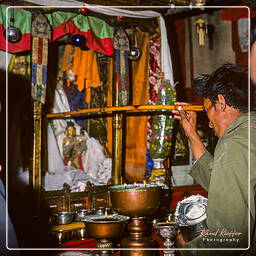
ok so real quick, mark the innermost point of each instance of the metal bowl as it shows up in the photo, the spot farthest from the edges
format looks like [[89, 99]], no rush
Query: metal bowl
[[102, 211], [61, 236], [110, 226], [62, 218], [80, 214], [166, 229], [135, 200]]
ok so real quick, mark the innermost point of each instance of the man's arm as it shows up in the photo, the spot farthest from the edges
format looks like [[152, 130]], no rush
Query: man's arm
[[201, 171], [188, 122], [227, 210]]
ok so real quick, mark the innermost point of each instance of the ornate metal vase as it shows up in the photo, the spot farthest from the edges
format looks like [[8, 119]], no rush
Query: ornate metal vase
[[168, 231]]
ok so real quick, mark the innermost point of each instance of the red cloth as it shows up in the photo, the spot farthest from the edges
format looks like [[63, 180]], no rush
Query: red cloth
[[88, 243], [102, 45], [234, 14], [22, 45]]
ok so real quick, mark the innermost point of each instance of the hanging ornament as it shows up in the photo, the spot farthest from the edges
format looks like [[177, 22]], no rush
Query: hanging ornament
[[201, 30], [122, 49], [12, 34], [120, 18], [134, 53], [84, 10], [79, 40], [40, 27]]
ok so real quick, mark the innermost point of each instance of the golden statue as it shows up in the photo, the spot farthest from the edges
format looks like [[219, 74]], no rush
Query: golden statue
[[73, 147]]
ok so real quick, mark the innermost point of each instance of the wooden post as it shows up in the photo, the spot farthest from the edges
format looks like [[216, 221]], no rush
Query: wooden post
[[120, 97], [35, 176], [40, 34]]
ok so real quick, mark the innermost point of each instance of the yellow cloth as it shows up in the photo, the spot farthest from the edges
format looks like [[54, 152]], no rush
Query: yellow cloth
[[85, 67], [136, 134]]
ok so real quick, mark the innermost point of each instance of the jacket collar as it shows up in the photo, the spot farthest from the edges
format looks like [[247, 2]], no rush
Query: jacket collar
[[242, 119]]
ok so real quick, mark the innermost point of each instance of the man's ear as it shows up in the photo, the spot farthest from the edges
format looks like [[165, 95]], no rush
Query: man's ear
[[222, 102]]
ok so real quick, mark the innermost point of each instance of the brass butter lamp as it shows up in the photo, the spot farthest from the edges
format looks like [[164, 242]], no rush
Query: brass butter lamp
[[104, 228], [137, 201]]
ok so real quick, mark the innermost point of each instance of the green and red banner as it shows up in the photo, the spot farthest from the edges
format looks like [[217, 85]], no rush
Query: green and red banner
[[98, 34]]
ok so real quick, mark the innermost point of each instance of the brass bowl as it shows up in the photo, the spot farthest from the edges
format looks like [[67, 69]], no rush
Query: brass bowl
[[110, 226], [135, 200]]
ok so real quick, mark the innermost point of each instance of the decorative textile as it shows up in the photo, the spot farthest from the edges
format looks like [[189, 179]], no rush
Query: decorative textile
[[81, 68], [22, 20], [154, 70], [121, 46], [135, 162], [75, 99], [110, 74], [85, 66], [98, 126], [39, 57], [154, 67], [166, 63], [135, 148], [39, 69], [97, 32]]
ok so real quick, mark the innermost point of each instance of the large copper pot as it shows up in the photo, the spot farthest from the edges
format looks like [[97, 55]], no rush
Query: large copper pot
[[135, 200]]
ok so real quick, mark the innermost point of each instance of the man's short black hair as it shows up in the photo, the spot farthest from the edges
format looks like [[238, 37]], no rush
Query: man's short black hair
[[229, 80]]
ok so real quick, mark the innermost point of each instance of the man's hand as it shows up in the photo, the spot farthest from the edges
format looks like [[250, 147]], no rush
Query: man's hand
[[187, 118], [188, 122]]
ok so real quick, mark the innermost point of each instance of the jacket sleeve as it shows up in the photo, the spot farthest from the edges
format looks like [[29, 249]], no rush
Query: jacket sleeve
[[201, 170]]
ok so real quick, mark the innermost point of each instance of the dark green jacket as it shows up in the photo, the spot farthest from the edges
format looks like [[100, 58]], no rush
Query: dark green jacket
[[228, 181]]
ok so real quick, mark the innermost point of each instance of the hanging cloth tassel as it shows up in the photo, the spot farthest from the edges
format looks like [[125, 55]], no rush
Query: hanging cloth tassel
[[121, 46], [41, 33]]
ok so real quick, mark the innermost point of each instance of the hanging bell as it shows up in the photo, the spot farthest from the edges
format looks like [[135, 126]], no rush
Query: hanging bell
[[134, 53], [12, 34]]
